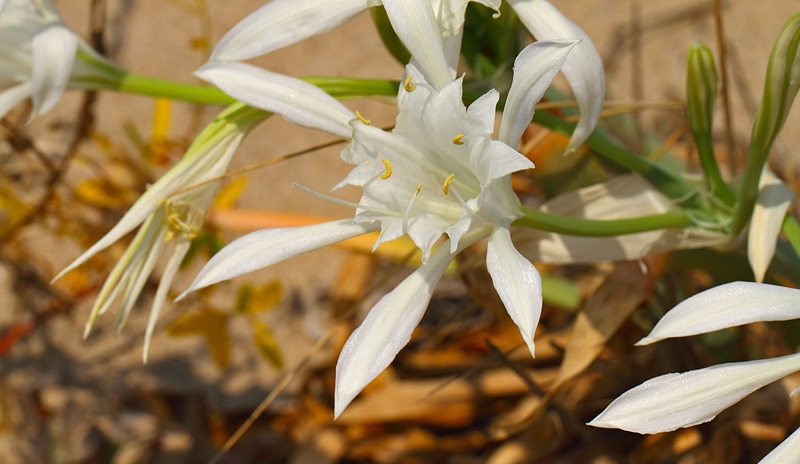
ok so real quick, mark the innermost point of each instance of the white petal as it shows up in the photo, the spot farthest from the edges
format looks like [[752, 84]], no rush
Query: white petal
[[774, 198], [192, 168], [727, 305], [13, 96], [386, 329], [295, 100], [534, 70], [583, 68], [673, 401], [269, 246], [787, 451], [283, 22], [491, 160], [517, 282], [53, 51], [415, 24], [451, 13], [165, 282]]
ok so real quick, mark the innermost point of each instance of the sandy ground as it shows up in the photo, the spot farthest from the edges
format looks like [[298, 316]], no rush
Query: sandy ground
[[153, 37]]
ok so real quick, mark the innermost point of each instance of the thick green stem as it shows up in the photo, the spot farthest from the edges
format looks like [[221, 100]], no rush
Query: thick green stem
[[670, 183], [569, 225], [155, 87]]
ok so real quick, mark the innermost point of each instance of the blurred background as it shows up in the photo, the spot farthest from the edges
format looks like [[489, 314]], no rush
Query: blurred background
[[461, 392]]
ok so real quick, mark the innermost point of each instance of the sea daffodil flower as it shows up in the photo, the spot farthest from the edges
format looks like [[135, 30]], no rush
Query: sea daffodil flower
[[437, 174], [431, 30], [38, 57], [673, 401], [171, 210]]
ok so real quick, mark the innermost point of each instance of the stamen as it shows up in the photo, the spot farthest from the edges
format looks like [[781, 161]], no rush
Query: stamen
[[458, 139], [408, 208], [363, 120], [446, 185], [326, 197], [408, 86], [461, 201], [176, 225], [344, 202], [388, 172]]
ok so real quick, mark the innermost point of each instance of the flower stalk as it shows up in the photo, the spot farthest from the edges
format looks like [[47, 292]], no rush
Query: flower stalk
[[780, 89]]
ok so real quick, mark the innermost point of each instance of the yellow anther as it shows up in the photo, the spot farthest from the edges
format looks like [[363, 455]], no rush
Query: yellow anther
[[408, 85], [458, 139], [446, 185], [180, 221], [388, 172], [419, 187], [364, 120]]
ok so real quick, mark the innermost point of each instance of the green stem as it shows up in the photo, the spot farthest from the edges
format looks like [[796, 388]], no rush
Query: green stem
[[670, 183], [570, 225], [138, 84], [716, 185], [791, 229], [748, 192]]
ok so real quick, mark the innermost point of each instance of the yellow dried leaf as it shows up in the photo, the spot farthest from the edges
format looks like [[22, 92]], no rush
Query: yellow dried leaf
[[231, 192], [253, 300], [266, 344], [211, 324], [12, 210], [102, 193]]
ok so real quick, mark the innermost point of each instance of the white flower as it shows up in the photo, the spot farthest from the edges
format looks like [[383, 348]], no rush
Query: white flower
[[437, 174], [172, 209], [38, 57], [431, 30], [673, 401]]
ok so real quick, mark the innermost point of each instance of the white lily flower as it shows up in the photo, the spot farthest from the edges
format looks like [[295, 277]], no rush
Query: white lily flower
[[772, 203], [38, 57], [437, 173], [431, 30], [673, 401], [729, 305], [787, 451], [170, 210]]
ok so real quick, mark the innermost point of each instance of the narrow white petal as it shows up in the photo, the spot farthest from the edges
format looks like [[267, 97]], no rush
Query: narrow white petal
[[673, 401], [416, 25], [787, 451], [451, 14], [517, 282], [583, 69], [189, 170], [774, 198], [386, 329], [283, 22], [727, 305], [53, 51], [534, 70], [269, 246], [13, 96], [294, 99], [165, 282]]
